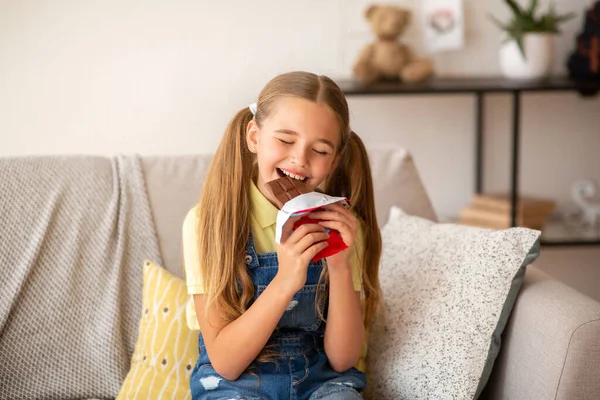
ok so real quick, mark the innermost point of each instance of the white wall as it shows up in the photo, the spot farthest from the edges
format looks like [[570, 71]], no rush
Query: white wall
[[157, 77]]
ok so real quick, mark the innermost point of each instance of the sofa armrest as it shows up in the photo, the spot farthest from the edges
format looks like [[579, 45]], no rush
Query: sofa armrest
[[551, 344]]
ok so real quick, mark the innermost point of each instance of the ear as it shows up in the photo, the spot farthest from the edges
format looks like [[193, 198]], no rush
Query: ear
[[370, 10], [252, 135]]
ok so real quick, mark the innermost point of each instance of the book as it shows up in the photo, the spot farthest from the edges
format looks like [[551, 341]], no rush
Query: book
[[489, 218], [526, 205]]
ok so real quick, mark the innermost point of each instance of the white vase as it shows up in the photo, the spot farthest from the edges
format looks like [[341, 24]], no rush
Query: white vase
[[537, 63]]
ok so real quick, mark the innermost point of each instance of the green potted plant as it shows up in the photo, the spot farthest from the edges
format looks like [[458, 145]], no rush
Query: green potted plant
[[527, 48]]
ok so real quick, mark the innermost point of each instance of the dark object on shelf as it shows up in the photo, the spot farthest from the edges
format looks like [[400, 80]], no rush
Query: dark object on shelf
[[479, 87], [584, 62]]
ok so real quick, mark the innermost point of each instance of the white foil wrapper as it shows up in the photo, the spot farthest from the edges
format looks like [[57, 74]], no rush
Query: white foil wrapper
[[300, 205]]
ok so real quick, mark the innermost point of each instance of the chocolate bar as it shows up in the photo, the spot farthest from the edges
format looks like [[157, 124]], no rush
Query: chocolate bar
[[285, 189]]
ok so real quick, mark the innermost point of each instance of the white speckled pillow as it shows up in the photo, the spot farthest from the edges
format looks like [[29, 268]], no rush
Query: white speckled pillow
[[448, 290]]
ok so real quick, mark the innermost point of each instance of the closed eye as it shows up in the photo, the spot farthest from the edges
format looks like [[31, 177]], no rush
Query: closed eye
[[321, 153]]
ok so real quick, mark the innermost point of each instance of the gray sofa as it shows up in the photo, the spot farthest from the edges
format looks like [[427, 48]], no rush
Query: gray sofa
[[551, 345]]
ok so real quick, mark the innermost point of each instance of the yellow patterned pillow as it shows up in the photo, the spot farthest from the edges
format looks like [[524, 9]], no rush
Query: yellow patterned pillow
[[166, 349]]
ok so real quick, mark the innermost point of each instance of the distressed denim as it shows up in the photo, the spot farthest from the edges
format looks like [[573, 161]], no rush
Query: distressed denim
[[301, 370]]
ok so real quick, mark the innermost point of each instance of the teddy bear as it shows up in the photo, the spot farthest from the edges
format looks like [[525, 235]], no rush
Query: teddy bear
[[387, 58]]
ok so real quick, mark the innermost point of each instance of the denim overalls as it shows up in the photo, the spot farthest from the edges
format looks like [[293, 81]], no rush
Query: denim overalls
[[302, 370]]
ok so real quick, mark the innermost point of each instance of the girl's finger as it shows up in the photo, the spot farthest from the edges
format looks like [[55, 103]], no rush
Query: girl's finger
[[335, 207], [315, 248], [342, 228], [329, 215], [350, 223], [302, 231], [309, 240], [286, 230], [338, 207]]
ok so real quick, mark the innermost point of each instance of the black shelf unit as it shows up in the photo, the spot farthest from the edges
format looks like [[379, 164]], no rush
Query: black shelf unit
[[479, 87]]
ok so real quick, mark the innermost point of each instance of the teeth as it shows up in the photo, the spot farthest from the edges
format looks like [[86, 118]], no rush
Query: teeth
[[300, 178]]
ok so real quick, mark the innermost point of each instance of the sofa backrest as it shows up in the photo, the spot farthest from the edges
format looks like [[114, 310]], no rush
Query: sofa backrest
[[174, 184]]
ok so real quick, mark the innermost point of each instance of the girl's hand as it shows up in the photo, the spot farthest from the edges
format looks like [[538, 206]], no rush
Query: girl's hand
[[296, 250], [342, 220]]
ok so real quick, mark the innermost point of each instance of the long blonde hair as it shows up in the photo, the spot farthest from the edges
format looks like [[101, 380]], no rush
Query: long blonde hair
[[223, 212]]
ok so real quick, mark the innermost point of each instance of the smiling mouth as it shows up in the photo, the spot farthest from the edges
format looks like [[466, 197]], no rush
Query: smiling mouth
[[283, 173]]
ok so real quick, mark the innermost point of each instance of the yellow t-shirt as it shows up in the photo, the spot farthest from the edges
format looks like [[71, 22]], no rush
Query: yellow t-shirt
[[263, 217]]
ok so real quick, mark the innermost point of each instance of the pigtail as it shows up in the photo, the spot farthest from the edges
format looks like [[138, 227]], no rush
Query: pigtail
[[352, 179], [224, 223], [224, 227]]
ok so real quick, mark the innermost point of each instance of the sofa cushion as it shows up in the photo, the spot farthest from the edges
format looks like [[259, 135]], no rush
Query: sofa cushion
[[396, 182], [448, 290], [166, 350], [174, 184]]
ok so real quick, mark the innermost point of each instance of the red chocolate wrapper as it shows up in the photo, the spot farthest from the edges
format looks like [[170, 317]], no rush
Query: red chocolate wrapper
[[335, 242], [301, 206]]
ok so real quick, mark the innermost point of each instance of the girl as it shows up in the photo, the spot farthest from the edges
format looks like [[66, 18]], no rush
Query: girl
[[274, 324]]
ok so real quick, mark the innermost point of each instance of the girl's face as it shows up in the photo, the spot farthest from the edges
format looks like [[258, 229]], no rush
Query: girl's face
[[299, 139]]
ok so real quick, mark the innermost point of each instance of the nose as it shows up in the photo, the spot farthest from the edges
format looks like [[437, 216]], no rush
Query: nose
[[299, 157]]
